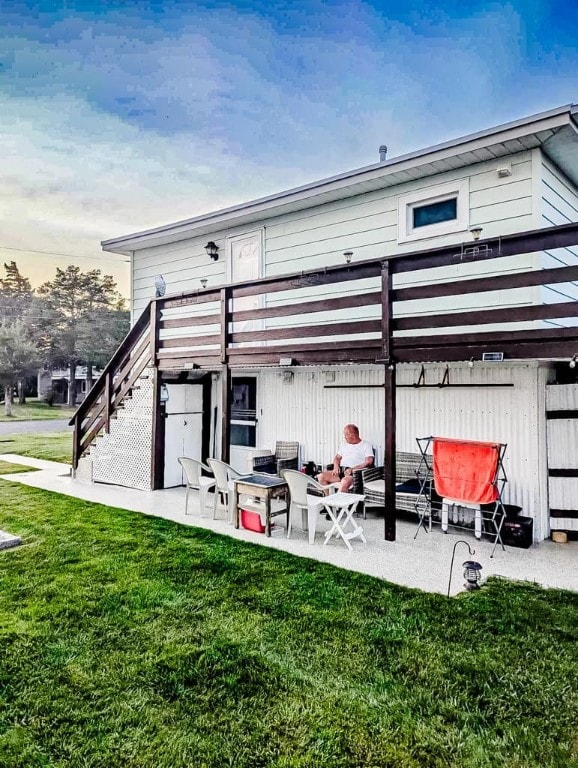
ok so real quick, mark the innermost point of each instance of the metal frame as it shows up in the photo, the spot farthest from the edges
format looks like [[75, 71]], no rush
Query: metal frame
[[495, 516]]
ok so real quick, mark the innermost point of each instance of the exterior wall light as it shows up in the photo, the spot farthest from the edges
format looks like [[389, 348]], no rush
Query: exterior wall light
[[212, 250], [476, 232], [203, 282], [348, 255], [572, 362]]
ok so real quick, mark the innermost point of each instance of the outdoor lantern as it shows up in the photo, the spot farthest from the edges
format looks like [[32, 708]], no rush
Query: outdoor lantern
[[348, 255], [203, 282], [476, 232], [472, 574], [212, 250], [164, 393]]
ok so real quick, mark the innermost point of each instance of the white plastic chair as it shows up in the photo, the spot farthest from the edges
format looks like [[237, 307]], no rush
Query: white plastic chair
[[196, 480], [224, 477], [309, 505]]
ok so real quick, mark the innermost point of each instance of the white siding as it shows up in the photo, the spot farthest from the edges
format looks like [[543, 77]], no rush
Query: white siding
[[365, 224], [314, 414], [559, 205]]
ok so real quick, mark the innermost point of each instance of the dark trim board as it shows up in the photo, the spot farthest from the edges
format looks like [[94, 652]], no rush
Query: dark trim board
[[571, 513]]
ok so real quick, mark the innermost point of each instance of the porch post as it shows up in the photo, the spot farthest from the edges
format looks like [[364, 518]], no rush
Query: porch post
[[389, 402], [158, 425], [225, 376]]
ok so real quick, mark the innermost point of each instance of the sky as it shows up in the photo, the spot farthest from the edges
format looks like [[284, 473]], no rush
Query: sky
[[117, 117]]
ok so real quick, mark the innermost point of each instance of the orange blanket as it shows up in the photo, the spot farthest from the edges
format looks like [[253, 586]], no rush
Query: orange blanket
[[465, 470]]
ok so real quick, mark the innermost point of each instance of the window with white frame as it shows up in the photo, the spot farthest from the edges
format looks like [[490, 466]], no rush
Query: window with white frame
[[439, 210]]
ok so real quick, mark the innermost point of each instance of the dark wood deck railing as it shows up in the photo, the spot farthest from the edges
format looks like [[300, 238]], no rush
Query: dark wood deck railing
[[390, 334]]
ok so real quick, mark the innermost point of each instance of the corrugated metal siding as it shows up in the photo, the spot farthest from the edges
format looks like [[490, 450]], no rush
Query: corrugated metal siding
[[308, 411]]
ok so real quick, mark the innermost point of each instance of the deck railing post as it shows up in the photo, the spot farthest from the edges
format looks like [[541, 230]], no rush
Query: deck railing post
[[107, 401], [225, 319], [389, 402], [158, 426]]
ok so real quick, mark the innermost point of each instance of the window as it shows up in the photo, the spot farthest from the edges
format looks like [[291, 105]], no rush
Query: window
[[435, 211], [243, 411]]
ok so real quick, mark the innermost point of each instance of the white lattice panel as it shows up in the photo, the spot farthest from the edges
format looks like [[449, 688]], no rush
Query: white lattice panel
[[123, 457]]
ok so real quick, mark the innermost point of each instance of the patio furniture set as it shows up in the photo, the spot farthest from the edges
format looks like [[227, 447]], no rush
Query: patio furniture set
[[444, 476]]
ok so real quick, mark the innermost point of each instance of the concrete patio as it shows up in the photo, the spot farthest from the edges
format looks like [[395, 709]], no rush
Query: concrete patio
[[422, 563]]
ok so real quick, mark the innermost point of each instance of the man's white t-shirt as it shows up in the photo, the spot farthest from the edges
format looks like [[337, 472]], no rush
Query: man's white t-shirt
[[352, 455]]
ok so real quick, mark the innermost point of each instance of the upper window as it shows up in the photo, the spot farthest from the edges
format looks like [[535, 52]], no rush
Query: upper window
[[438, 210]]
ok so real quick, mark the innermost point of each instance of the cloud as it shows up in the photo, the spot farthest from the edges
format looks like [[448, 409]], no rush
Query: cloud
[[124, 120]]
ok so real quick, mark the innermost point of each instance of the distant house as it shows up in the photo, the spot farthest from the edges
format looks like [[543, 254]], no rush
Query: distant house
[[54, 385], [305, 306]]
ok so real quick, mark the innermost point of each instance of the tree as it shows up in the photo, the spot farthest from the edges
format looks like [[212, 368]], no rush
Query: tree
[[18, 355], [87, 320], [17, 304]]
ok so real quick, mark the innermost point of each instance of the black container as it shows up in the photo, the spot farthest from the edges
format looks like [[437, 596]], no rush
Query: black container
[[518, 532]]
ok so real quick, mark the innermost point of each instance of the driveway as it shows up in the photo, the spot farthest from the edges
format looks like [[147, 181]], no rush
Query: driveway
[[44, 425]]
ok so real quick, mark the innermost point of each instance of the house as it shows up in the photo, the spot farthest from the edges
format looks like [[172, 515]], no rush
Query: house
[[53, 385], [435, 293]]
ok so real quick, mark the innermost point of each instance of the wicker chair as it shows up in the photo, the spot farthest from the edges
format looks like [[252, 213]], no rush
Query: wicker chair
[[408, 477], [286, 456]]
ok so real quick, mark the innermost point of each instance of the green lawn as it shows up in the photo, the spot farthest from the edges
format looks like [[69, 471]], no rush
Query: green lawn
[[35, 410], [134, 642], [52, 446]]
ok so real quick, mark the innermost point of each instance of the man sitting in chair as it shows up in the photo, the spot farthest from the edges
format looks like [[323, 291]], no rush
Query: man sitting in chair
[[354, 453]]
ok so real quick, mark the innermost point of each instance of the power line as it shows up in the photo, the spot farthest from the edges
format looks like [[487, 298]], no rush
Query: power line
[[64, 255]]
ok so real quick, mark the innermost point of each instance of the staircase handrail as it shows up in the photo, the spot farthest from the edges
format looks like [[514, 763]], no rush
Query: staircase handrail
[[125, 346]]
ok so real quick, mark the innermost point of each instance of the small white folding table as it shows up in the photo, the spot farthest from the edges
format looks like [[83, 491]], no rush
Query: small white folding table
[[340, 508]]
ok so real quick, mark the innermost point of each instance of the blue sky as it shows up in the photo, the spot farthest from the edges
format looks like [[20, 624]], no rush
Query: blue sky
[[117, 117]]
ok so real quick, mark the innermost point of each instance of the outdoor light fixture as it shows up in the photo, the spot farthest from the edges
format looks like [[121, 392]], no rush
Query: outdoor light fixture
[[471, 362], [212, 250], [160, 286], [164, 393], [572, 362], [476, 232], [472, 574], [203, 282], [348, 255]]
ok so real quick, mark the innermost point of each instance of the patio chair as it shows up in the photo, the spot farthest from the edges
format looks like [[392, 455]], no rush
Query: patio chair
[[194, 479], [224, 477], [410, 474], [286, 456], [301, 490]]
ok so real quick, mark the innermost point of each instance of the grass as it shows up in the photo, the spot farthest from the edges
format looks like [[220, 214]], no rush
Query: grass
[[34, 410], [132, 641], [52, 446], [7, 468]]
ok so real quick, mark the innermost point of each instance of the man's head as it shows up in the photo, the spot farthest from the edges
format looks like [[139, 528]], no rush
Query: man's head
[[351, 434]]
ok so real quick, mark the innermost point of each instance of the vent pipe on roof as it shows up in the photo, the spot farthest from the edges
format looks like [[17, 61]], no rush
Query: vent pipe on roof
[[382, 153]]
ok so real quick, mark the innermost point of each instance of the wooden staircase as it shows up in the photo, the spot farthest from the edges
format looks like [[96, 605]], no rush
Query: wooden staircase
[[112, 392]]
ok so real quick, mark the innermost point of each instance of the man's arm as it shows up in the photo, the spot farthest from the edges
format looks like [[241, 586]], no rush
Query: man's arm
[[367, 462], [336, 463]]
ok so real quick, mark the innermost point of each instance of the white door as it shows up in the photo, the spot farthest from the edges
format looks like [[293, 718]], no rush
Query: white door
[[183, 437], [183, 429], [245, 254]]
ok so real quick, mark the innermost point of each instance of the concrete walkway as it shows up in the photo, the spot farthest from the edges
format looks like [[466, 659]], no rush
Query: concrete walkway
[[423, 563]]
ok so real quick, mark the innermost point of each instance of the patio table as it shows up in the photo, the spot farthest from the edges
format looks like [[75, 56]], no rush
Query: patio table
[[265, 487], [340, 508]]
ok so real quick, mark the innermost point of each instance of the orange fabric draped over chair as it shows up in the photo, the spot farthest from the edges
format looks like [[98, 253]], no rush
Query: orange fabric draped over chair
[[466, 470]]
